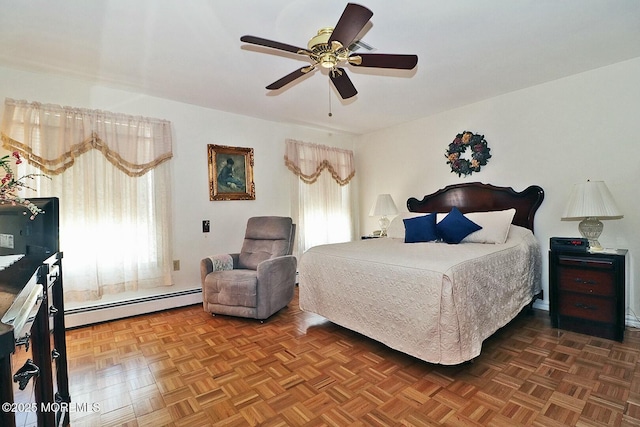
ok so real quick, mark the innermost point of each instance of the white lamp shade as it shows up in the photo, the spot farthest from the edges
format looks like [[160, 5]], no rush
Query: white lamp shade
[[384, 205], [591, 199]]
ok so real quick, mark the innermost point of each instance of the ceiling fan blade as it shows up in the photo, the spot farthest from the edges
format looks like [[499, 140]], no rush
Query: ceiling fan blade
[[289, 78], [343, 84], [383, 60], [270, 43], [352, 21]]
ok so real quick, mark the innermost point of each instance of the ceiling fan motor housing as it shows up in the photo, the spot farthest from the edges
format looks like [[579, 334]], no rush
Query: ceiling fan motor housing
[[322, 38], [326, 54]]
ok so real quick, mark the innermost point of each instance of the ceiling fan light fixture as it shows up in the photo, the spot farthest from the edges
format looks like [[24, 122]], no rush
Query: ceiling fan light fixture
[[328, 60]]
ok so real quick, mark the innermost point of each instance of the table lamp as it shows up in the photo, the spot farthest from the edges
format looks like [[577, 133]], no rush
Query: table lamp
[[591, 202], [383, 206]]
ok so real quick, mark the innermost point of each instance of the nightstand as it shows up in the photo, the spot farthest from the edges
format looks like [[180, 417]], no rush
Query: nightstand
[[587, 292]]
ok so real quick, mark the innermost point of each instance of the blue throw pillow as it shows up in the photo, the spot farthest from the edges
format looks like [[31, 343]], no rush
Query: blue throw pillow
[[455, 226], [420, 229]]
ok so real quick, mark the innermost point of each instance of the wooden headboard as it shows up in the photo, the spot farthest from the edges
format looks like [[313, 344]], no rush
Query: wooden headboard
[[479, 197]]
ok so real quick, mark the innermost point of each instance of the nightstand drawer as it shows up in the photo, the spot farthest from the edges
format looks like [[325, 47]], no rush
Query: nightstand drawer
[[587, 307], [582, 262], [591, 282]]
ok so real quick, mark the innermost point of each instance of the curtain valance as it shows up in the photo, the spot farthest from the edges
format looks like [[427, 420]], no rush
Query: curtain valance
[[309, 160], [51, 137]]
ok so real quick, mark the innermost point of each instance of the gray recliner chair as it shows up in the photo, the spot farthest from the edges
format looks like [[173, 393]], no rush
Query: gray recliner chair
[[258, 281]]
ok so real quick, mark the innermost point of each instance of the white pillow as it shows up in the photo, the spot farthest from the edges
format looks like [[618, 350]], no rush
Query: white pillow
[[396, 227], [495, 226]]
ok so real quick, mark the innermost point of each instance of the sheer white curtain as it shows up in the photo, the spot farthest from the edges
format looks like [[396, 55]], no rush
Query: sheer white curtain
[[321, 193], [113, 179]]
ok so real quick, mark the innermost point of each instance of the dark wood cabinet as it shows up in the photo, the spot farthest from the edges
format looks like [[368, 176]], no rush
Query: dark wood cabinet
[[34, 386], [587, 292]]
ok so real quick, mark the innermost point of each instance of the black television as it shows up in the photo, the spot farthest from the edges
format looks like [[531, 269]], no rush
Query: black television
[[21, 235]]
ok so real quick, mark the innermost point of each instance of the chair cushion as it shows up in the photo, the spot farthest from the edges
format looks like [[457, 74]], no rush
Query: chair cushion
[[232, 287], [256, 251], [266, 237], [268, 228]]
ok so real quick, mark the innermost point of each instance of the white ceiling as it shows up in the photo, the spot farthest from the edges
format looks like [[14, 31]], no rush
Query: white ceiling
[[190, 51]]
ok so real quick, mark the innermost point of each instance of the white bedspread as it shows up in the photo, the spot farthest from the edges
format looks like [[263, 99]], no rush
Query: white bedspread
[[434, 301]]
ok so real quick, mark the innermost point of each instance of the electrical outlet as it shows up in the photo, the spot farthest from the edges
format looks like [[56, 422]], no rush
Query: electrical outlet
[[176, 265], [206, 226]]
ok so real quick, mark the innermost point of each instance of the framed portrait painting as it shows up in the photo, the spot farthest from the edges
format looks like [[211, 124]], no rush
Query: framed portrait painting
[[230, 173]]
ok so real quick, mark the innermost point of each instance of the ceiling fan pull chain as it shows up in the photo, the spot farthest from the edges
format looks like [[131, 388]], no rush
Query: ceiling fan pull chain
[[330, 114]]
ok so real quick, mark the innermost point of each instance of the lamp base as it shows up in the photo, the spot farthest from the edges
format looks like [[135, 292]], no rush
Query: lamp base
[[384, 224], [591, 228]]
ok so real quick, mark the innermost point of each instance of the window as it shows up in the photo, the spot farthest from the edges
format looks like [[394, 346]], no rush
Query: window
[[113, 181], [321, 193]]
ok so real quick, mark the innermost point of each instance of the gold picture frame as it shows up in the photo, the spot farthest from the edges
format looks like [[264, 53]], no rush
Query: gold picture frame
[[230, 173]]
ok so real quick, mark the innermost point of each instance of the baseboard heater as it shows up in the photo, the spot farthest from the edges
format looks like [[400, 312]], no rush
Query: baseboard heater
[[99, 313]]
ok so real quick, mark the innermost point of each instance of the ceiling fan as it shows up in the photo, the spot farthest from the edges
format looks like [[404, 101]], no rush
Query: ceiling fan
[[329, 49]]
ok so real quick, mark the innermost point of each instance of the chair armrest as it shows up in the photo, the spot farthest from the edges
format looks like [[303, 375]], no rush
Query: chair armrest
[[274, 270], [217, 263], [276, 282]]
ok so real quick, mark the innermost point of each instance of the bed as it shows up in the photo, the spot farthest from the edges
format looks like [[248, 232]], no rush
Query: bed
[[433, 300]]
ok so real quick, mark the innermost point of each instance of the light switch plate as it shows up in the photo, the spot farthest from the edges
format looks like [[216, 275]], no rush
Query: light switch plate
[[6, 241]]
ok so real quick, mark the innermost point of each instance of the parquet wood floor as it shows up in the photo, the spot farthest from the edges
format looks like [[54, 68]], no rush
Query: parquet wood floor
[[183, 367]]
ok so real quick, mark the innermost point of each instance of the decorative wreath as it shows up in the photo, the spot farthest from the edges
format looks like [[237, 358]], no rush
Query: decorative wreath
[[479, 153]]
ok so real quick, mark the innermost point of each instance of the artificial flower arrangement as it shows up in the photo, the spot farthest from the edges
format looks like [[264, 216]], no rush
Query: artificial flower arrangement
[[10, 185], [479, 153]]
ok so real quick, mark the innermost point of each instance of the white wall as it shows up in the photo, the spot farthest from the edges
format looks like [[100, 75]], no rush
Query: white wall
[[556, 134], [194, 127], [553, 135]]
